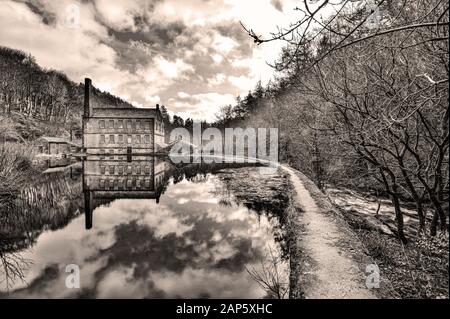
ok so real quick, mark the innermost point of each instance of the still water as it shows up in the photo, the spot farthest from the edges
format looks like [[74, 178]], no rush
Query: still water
[[183, 234]]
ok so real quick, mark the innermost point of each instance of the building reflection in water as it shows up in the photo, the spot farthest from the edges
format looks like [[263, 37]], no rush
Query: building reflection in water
[[106, 179]]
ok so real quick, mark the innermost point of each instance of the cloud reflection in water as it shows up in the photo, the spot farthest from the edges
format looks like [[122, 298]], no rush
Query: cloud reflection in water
[[187, 246]]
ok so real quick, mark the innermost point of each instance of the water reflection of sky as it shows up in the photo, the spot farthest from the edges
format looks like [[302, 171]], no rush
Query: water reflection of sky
[[186, 246]]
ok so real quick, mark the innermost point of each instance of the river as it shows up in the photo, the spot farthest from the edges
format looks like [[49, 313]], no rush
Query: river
[[146, 231]]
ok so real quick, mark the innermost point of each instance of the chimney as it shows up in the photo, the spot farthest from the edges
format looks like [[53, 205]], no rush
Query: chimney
[[157, 107], [87, 96]]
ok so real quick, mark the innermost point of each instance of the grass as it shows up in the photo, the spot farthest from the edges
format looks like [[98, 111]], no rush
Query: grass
[[19, 127], [15, 166], [416, 270], [8, 129]]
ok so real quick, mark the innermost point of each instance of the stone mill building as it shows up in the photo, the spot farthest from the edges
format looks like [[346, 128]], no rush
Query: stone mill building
[[120, 129], [121, 144]]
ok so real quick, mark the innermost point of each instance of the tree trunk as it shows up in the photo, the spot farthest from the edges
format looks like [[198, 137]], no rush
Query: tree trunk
[[434, 224], [420, 213], [437, 205], [399, 218], [418, 199], [391, 189]]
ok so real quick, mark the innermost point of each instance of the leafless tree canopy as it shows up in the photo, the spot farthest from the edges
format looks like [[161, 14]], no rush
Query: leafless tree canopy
[[348, 22], [361, 99]]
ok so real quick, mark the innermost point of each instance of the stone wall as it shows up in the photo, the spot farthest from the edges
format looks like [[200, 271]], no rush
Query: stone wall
[[116, 129]]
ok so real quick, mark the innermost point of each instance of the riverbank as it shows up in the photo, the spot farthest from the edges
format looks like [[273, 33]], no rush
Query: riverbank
[[416, 270], [332, 261], [30, 201], [341, 235], [327, 259], [15, 167]]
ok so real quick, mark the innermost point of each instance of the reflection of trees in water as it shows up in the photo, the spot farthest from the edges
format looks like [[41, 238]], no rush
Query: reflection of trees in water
[[13, 268], [198, 172], [224, 195], [50, 202], [267, 195], [271, 274], [53, 200]]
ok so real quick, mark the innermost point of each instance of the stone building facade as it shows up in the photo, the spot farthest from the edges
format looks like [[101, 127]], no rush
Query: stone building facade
[[53, 145], [107, 180], [120, 143], [113, 132]]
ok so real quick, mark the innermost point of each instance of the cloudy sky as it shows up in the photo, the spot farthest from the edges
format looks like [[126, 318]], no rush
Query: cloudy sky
[[190, 55]]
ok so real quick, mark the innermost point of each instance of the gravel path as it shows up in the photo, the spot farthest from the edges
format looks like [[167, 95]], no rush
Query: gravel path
[[333, 261]]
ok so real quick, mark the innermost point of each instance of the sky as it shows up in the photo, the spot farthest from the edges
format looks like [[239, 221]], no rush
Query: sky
[[190, 55]]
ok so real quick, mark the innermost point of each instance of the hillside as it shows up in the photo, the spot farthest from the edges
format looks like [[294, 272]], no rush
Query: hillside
[[35, 101]]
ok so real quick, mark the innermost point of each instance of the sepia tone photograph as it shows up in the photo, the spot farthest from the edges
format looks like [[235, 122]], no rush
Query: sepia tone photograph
[[243, 150]]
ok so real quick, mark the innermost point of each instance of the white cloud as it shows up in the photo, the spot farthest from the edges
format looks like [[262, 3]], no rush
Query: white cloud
[[120, 14], [244, 83], [217, 58], [163, 70], [157, 76], [183, 95], [191, 12], [223, 44], [153, 99], [172, 69], [257, 67], [78, 52], [217, 79], [202, 106]]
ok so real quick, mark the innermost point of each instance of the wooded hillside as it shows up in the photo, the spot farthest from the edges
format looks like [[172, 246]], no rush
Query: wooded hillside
[[361, 100], [29, 91]]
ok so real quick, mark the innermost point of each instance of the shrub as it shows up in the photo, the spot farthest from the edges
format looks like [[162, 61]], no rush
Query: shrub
[[15, 162]]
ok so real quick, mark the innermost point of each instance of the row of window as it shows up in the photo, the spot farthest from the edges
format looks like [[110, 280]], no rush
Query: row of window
[[130, 125], [125, 124], [129, 184], [125, 139], [125, 169], [159, 179], [109, 154]]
